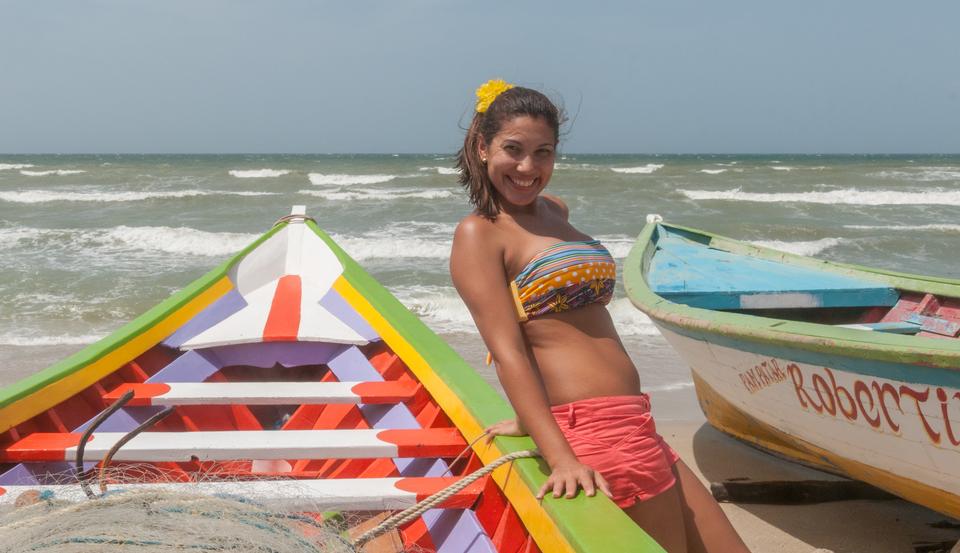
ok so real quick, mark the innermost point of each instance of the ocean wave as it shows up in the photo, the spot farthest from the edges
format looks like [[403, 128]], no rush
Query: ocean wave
[[59, 172], [781, 168], [7, 166], [390, 247], [807, 248], [44, 196], [375, 194], [321, 179], [922, 174], [935, 226], [173, 240], [258, 173], [442, 170], [629, 320], [712, 171], [848, 196], [642, 170], [20, 339], [618, 245]]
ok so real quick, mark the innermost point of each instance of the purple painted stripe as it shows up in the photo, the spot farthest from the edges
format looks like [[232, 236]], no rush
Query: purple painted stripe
[[192, 366], [269, 354], [335, 304], [213, 314]]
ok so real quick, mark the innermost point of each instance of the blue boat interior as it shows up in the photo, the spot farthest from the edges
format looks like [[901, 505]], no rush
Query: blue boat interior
[[688, 271], [685, 269]]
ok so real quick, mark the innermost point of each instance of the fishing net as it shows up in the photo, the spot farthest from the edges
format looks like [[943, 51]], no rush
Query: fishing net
[[161, 519]]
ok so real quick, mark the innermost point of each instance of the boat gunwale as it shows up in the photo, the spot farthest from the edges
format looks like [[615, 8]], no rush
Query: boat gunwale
[[820, 338]]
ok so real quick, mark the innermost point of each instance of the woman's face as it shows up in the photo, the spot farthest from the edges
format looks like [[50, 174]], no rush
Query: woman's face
[[520, 159]]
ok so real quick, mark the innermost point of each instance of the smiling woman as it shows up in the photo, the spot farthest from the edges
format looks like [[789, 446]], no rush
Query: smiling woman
[[536, 288]]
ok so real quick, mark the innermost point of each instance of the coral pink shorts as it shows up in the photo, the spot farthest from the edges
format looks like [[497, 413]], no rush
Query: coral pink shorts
[[616, 437]]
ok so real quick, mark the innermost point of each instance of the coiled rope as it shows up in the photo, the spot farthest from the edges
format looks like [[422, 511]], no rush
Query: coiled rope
[[413, 512]]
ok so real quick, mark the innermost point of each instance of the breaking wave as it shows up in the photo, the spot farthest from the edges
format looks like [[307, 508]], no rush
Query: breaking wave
[[807, 248], [321, 179], [44, 196], [379, 194], [258, 173], [59, 172], [642, 170], [849, 196]]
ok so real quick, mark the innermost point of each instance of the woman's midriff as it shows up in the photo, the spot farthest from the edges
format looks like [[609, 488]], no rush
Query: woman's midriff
[[580, 356]]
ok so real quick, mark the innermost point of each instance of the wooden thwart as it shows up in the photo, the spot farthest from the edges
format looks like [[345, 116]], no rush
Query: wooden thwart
[[242, 444], [265, 393], [349, 494]]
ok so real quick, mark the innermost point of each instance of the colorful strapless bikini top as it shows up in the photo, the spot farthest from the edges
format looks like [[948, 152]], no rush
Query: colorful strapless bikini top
[[565, 276]]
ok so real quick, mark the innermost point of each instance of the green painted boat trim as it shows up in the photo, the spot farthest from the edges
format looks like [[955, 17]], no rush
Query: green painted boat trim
[[78, 361], [825, 339], [590, 524]]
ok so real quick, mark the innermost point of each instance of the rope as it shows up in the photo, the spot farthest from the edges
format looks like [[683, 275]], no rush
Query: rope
[[294, 217], [413, 512], [97, 421], [157, 417]]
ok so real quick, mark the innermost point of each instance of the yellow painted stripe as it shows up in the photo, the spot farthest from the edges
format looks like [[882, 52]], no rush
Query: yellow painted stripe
[[55, 392], [540, 525], [728, 418]]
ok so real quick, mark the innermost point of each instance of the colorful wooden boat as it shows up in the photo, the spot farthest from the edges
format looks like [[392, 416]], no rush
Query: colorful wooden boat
[[848, 369], [289, 367]]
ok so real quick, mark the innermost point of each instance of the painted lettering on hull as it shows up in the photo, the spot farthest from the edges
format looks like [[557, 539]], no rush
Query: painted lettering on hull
[[762, 376], [884, 406]]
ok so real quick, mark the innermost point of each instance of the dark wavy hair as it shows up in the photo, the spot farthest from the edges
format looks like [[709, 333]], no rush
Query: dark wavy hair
[[516, 102]]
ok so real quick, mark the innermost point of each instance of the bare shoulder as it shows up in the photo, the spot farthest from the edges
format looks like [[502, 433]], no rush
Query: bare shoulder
[[557, 204], [478, 235]]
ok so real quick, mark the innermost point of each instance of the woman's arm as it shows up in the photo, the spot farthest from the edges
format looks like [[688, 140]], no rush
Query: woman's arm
[[477, 269]]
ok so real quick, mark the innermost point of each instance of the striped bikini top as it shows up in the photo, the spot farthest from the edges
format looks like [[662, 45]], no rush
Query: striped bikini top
[[564, 276]]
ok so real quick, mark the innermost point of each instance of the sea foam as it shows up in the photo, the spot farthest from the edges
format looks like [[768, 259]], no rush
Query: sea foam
[[258, 173], [642, 170], [59, 172], [935, 226], [44, 196], [713, 171], [375, 194], [442, 170], [7, 166], [173, 240], [849, 196], [808, 248], [18, 339], [321, 179]]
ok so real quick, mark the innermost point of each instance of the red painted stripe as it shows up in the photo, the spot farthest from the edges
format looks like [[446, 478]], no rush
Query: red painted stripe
[[41, 446], [283, 322], [2, 491], [142, 393], [385, 392], [428, 442], [425, 487]]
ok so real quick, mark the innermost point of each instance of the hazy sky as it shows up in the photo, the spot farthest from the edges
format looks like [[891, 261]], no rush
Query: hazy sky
[[398, 76]]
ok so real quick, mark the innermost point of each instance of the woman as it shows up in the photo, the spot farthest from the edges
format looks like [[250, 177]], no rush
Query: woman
[[536, 287]]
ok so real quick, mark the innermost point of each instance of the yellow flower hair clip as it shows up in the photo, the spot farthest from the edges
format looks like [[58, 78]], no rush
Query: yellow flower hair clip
[[489, 91]]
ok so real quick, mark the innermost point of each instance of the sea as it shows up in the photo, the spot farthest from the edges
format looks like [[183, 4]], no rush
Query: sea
[[89, 242]]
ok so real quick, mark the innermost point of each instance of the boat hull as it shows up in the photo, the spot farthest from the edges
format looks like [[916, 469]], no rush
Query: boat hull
[[873, 406], [898, 435]]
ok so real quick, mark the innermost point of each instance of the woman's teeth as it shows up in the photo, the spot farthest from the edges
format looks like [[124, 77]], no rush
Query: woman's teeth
[[523, 183]]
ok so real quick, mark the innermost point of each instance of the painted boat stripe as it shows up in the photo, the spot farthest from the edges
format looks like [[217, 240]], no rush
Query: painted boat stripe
[[351, 494], [241, 444], [283, 322], [265, 393], [143, 394]]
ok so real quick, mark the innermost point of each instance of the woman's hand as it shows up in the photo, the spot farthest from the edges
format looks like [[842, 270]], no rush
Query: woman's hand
[[566, 478], [510, 427]]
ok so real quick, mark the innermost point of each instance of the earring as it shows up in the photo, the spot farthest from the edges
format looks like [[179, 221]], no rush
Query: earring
[[483, 160]]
